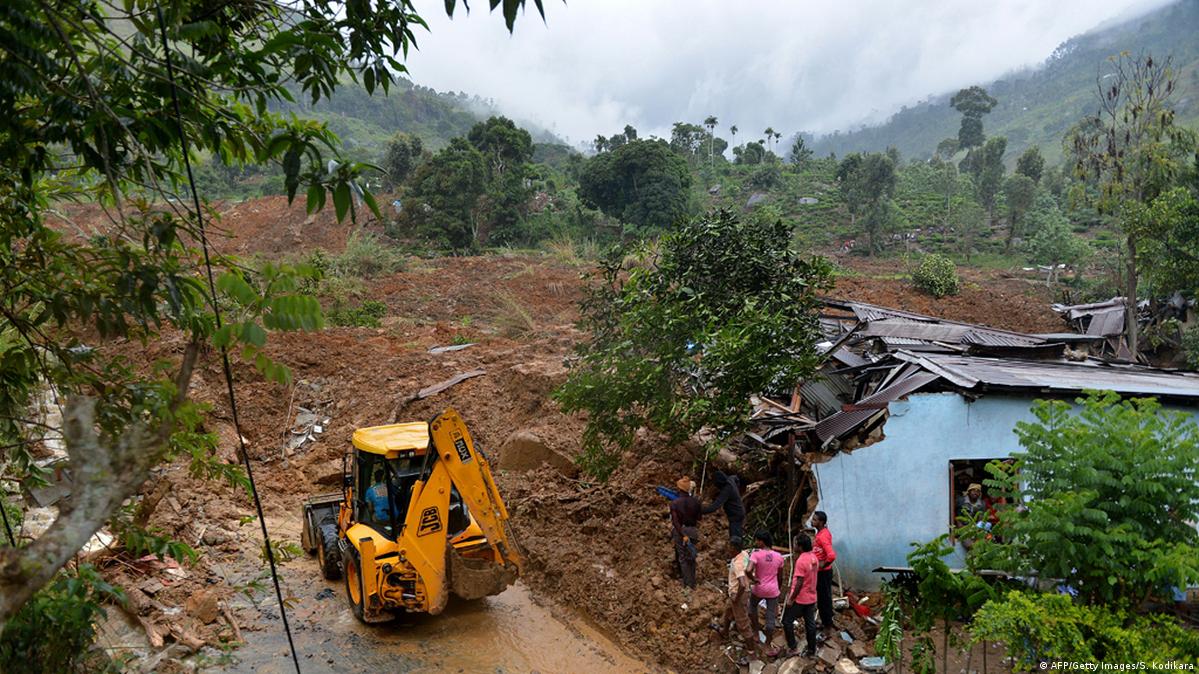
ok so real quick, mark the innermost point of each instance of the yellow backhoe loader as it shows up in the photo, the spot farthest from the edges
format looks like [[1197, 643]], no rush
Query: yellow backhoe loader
[[418, 517]]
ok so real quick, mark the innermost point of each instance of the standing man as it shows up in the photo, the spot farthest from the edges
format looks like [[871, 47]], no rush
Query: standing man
[[730, 498], [801, 598], [684, 532], [822, 547], [768, 570], [741, 579]]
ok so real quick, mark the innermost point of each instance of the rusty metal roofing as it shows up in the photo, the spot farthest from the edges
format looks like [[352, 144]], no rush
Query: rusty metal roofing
[[974, 372], [844, 422]]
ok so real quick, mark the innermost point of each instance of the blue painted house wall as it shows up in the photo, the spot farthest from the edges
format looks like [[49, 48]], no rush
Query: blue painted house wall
[[881, 498]]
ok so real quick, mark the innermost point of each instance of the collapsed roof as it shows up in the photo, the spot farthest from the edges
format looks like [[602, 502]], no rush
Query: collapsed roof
[[877, 355]]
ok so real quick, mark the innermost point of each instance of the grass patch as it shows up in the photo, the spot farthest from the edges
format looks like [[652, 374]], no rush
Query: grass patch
[[512, 319]]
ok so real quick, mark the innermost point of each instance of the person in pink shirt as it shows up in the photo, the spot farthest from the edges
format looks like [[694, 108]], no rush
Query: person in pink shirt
[[822, 547], [801, 598], [768, 570]]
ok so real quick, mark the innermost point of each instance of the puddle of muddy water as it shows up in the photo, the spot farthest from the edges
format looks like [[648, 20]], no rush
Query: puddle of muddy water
[[505, 633]]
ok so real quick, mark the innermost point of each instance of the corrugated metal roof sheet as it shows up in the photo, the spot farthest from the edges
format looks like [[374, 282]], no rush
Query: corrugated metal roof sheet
[[988, 337], [1066, 376], [843, 422], [1076, 311], [1107, 323], [908, 329]]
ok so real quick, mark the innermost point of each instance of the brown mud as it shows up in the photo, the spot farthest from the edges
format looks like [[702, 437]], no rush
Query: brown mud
[[599, 591]]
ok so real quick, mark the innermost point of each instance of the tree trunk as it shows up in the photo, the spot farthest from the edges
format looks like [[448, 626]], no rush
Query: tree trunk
[[1130, 297]]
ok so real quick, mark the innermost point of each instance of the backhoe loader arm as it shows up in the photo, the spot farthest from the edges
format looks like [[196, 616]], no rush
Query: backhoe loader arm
[[471, 474]]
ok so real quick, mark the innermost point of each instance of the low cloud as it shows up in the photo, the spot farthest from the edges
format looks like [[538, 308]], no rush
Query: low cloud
[[595, 65]]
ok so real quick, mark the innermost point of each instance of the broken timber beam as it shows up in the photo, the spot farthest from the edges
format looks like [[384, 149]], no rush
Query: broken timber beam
[[436, 388]]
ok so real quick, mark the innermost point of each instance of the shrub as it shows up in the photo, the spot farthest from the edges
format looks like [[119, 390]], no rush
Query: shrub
[[54, 631], [366, 255], [936, 275], [366, 315]]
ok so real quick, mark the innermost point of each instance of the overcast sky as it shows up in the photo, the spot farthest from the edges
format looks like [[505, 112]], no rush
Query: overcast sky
[[796, 65]]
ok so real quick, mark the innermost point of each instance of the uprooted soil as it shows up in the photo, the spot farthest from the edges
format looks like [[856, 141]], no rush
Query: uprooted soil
[[600, 549]]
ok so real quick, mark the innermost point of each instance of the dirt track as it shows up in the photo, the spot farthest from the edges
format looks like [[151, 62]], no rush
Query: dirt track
[[601, 551]]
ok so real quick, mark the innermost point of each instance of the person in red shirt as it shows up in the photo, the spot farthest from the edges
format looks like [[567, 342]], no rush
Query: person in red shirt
[[822, 547], [801, 598]]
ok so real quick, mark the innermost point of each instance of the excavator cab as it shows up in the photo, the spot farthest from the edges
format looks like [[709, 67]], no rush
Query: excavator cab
[[419, 518]]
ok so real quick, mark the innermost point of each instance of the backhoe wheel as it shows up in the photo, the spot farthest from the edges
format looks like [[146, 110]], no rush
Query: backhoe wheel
[[328, 552], [354, 588]]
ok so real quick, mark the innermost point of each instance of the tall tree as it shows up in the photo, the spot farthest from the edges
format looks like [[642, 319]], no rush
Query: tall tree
[[451, 184], [733, 130], [990, 173], [867, 183], [111, 103], [718, 310], [504, 145], [800, 152], [973, 103], [769, 136], [1019, 192], [1133, 149], [643, 183], [403, 154], [1031, 163], [710, 123]]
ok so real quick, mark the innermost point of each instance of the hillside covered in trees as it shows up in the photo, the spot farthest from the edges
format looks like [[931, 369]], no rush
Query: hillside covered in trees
[[1036, 107]]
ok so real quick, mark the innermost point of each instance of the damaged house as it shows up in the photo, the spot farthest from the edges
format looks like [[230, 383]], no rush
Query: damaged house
[[908, 410]]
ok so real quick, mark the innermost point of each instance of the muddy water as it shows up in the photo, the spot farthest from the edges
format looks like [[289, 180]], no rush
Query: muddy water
[[508, 633]]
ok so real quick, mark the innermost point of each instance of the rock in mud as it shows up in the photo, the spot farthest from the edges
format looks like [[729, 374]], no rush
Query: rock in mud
[[792, 666], [203, 606], [524, 450]]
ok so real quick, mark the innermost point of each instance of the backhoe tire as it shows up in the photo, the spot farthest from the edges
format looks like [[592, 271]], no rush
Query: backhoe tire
[[328, 552], [355, 591]]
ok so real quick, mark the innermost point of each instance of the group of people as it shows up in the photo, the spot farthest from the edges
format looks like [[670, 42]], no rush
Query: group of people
[[756, 570]]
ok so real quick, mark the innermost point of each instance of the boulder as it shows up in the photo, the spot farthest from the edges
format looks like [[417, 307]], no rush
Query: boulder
[[524, 450], [792, 666]]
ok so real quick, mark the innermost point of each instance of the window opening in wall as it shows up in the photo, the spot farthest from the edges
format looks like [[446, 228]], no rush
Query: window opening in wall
[[969, 495]]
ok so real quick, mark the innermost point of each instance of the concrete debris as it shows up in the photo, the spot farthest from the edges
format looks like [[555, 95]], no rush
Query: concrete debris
[[829, 653], [756, 666], [857, 650], [846, 666], [873, 663]]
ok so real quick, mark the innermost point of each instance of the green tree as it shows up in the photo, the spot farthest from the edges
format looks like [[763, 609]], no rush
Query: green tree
[[989, 178], [403, 154], [1171, 241], [446, 190], [718, 310], [1019, 193], [93, 109], [947, 148], [1134, 151], [1108, 499], [867, 183], [973, 103], [800, 152], [503, 144], [710, 124], [643, 183], [750, 153], [1031, 164], [969, 222], [768, 136]]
